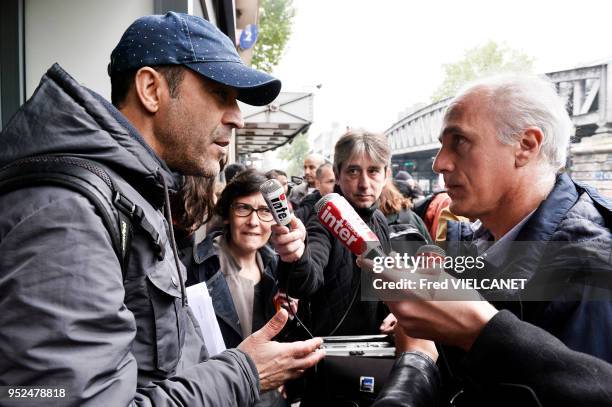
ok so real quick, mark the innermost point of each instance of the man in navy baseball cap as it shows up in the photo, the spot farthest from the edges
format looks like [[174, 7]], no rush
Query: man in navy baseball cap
[[176, 78], [116, 329]]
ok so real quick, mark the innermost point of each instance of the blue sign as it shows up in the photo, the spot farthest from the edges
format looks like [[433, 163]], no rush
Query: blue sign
[[248, 36]]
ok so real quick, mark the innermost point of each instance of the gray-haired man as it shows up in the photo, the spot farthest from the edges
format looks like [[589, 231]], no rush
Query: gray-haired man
[[504, 148]]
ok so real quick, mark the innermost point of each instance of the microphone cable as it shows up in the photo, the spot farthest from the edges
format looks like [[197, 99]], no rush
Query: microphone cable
[[291, 311]]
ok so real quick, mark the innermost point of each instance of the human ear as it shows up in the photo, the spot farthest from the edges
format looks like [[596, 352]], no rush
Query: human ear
[[148, 85], [528, 146]]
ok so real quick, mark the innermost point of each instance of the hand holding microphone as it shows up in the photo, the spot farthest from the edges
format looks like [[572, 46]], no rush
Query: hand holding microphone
[[289, 233], [287, 236], [441, 315]]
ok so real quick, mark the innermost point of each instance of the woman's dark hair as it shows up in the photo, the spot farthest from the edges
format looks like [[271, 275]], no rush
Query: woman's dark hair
[[244, 183], [231, 170], [192, 206]]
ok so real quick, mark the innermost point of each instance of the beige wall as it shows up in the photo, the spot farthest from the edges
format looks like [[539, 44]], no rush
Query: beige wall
[[79, 35]]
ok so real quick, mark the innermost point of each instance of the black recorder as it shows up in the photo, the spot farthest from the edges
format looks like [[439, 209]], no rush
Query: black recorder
[[354, 369]]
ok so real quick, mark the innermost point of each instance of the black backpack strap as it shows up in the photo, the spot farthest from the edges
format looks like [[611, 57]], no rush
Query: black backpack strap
[[135, 214], [117, 212]]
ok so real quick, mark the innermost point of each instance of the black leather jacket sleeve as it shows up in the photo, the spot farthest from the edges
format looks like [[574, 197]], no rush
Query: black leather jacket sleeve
[[514, 352], [413, 382]]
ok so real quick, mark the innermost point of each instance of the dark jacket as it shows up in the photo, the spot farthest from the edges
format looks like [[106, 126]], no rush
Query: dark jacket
[[331, 279], [306, 207], [298, 193], [515, 364], [205, 267], [402, 223], [67, 318], [566, 258]]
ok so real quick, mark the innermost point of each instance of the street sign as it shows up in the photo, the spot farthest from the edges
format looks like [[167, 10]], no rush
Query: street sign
[[248, 37]]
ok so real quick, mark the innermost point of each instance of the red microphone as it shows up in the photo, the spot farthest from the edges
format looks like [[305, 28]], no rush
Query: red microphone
[[339, 217]]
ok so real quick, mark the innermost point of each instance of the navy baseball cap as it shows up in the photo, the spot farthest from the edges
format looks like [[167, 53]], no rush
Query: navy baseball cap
[[183, 39]]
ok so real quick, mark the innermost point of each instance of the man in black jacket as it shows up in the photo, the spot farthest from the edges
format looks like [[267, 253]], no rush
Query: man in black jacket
[[331, 280], [504, 148]]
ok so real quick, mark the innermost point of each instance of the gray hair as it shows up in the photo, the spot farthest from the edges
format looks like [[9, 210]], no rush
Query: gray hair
[[522, 101], [360, 142], [319, 172], [318, 158]]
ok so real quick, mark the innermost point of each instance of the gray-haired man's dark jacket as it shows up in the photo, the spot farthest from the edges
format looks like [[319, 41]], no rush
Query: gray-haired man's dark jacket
[[66, 318]]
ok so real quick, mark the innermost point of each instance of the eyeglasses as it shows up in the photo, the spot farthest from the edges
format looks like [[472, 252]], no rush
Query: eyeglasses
[[244, 210]]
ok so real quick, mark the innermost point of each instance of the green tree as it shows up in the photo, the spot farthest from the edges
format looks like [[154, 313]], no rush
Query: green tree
[[275, 19], [479, 62], [294, 153]]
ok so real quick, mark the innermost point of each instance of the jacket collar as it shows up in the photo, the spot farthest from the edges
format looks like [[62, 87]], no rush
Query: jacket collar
[[547, 217], [544, 220], [311, 199], [206, 248]]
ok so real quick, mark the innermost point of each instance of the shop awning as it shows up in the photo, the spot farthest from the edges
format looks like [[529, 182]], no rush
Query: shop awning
[[271, 126]]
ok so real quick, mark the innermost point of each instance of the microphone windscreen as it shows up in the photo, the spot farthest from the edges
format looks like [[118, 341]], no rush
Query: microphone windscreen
[[338, 216], [274, 195], [270, 186]]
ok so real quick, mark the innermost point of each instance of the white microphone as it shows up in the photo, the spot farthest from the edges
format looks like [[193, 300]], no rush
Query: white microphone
[[339, 217], [274, 195]]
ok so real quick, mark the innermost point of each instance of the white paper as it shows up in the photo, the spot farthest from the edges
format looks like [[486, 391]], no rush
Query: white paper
[[202, 307]]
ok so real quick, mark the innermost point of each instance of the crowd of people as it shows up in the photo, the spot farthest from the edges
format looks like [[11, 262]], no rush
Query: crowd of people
[[112, 324]]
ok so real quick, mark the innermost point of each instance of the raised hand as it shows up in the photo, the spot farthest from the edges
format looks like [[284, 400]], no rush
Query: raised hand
[[278, 362]]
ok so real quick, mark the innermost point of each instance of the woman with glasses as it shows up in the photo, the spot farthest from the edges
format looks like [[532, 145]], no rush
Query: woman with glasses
[[239, 268], [236, 264]]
